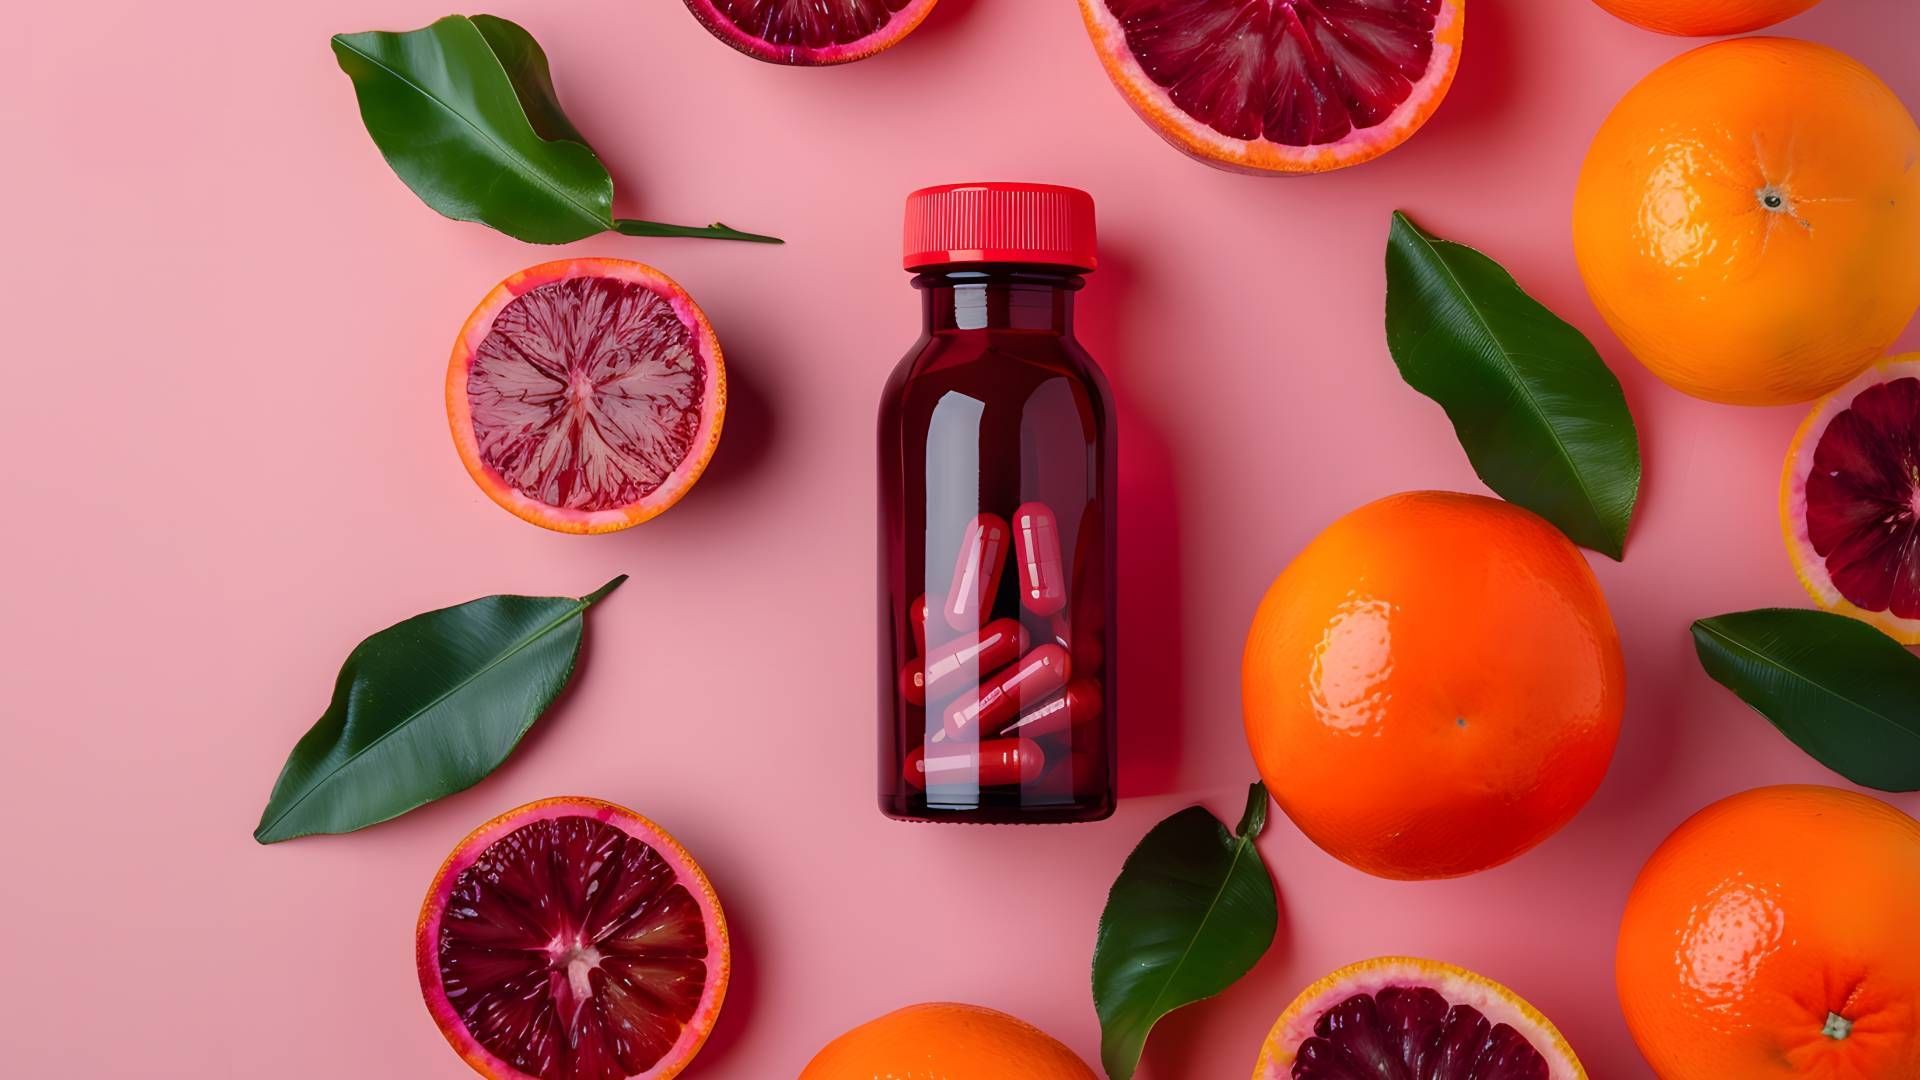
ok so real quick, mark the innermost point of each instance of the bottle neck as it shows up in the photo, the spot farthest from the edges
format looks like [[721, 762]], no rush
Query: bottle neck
[[995, 296]]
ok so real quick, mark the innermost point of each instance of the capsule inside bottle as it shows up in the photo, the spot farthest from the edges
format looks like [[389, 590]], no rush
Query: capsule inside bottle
[[976, 571], [1036, 546], [994, 763], [1072, 709], [962, 662], [1000, 698]]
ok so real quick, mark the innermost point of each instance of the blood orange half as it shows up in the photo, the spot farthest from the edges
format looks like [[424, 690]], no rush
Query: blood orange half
[[810, 32], [1405, 1018], [586, 395], [1280, 86], [572, 939], [1850, 499]]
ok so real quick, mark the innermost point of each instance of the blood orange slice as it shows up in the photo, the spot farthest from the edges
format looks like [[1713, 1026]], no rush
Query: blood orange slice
[[1850, 499], [1280, 86], [810, 32], [1401, 1017], [586, 395], [572, 939]]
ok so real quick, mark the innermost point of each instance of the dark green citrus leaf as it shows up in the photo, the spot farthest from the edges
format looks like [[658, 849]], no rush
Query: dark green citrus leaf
[[526, 66], [1843, 691], [444, 113], [425, 708], [1540, 416], [1192, 910], [465, 112]]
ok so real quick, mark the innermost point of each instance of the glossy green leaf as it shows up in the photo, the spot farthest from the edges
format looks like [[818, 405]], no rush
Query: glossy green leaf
[[1192, 910], [1540, 416], [425, 708], [526, 66], [1843, 691], [465, 112]]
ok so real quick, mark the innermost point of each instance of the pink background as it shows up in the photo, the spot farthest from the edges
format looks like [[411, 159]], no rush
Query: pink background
[[227, 462]]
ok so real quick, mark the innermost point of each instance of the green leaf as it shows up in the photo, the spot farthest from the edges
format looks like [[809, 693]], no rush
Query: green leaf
[[444, 113], [526, 66], [425, 708], [465, 112], [1192, 910], [719, 230], [1541, 417], [1843, 691]]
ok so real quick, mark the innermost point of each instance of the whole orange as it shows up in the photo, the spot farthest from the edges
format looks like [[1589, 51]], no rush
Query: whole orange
[[1777, 934], [945, 1041], [1705, 18], [1433, 685], [1746, 220]]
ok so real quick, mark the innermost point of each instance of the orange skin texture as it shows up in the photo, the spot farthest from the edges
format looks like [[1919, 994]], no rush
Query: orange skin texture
[[1259, 156], [1718, 291], [1705, 18], [946, 1041], [1433, 686], [1761, 915]]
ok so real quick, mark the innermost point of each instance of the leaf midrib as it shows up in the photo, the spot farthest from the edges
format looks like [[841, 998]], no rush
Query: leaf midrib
[[320, 781], [524, 167], [1733, 643], [1240, 846], [1526, 390]]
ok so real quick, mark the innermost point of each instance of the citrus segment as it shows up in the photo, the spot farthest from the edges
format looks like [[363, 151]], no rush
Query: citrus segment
[[1773, 935], [809, 32], [571, 939], [1850, 499], [1286, 86], [1746, 217], [946, 1041], [1446, 668], [1401, 1017], [586, 395]]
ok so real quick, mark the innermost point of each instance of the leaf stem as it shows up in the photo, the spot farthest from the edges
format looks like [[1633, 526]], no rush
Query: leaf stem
[[1255, 817], [719, 230], [600, 593]]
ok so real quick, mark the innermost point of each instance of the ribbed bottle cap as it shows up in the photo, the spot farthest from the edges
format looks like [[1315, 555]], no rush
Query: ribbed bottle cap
[[1017, 223]]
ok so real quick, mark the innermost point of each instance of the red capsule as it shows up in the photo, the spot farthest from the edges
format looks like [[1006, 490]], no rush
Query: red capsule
[[1073, 708], [1031, 678], [1036, 547], [994, 763], [961, 662], [976, 571], [917, 615]]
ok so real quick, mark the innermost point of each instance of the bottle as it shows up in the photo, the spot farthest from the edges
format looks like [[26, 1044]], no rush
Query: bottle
[[997, 456]]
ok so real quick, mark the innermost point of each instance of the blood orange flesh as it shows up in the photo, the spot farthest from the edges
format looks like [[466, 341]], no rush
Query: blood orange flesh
[[1398, 1017], [810, 32], [1280, 85], [1850, 499], [571, 939], [586, 395]]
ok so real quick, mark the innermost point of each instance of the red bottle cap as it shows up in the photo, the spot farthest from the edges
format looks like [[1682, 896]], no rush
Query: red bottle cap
[[1007, 223]]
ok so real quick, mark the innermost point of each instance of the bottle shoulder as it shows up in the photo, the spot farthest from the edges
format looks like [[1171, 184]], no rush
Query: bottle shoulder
[[1012, 354]]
